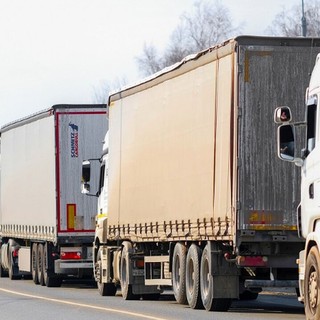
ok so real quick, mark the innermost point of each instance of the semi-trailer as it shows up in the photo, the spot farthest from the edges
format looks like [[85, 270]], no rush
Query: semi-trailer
[[46, 225], [191, 194]]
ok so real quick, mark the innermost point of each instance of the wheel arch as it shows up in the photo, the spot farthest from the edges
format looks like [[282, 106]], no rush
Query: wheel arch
[[309, 245], [313, 238]]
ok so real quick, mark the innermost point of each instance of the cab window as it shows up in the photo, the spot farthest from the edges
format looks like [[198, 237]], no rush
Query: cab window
[[101, 181], [311, 127]]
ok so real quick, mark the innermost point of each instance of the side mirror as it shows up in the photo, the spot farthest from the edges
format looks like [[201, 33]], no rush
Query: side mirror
[[85, 188], [86, 169], [282, 115], [86, 172], [286, 143]]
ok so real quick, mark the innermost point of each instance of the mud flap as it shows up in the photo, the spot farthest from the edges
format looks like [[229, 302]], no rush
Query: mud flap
[[224, 275]]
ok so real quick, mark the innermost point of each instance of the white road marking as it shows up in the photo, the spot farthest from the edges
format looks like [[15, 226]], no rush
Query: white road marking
[[128, 313]]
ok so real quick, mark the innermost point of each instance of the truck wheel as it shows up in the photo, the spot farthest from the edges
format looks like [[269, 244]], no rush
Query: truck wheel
[[13, 270], [193, 277], [34, 262], [105, 289], [206, 285], [40, 264], [126, 288], [45, 266], [3, 272], [3, 252], [11, 273], [179, 273], [312, 285]]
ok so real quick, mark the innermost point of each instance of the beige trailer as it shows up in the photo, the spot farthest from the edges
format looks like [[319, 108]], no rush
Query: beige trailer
[[194, 191], [171, 177]]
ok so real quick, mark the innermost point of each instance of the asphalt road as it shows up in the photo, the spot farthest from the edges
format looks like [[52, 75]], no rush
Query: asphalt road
[[21, 300]]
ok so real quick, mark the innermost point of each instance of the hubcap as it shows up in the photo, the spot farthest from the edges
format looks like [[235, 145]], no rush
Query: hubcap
[[177, 273], [205, 277], [98, 272], [313, 289], [191, 276]]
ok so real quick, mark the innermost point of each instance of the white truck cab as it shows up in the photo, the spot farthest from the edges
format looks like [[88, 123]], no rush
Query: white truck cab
[[102, 278]]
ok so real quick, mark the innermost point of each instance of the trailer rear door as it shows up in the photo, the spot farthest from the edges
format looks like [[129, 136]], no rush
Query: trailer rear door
[[79, 136]]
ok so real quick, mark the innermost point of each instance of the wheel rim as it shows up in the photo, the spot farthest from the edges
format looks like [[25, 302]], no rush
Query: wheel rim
[[313, 290], [205, 277], [98, 270], [191, 276], [177, 272], [124, 270], [45, 264], [40, 268], [33, 263], [34, 257]]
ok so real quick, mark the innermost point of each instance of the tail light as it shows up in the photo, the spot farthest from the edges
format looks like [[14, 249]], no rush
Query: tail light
[[252, 261], [15, 253], [71, 253], [139, 264]]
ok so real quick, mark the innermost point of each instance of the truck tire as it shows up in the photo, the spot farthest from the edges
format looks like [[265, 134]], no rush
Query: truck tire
[[40, 264], [193, 277], [3, 272], [13, 270], [179, 273], [34, 262], [105, 289], [312, 285], [45, 266], [3, 251], [126, 288], [206, 285]]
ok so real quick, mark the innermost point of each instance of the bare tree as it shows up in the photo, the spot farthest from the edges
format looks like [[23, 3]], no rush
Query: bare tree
[[177, 49], [288, 22], [102, 91], [208, 24], [149, 60]]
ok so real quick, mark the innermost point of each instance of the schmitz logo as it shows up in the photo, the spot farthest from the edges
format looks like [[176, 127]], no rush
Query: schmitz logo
[[74, 139]]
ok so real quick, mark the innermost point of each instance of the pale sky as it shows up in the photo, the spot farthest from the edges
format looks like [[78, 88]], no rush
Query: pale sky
[[58, 51]]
